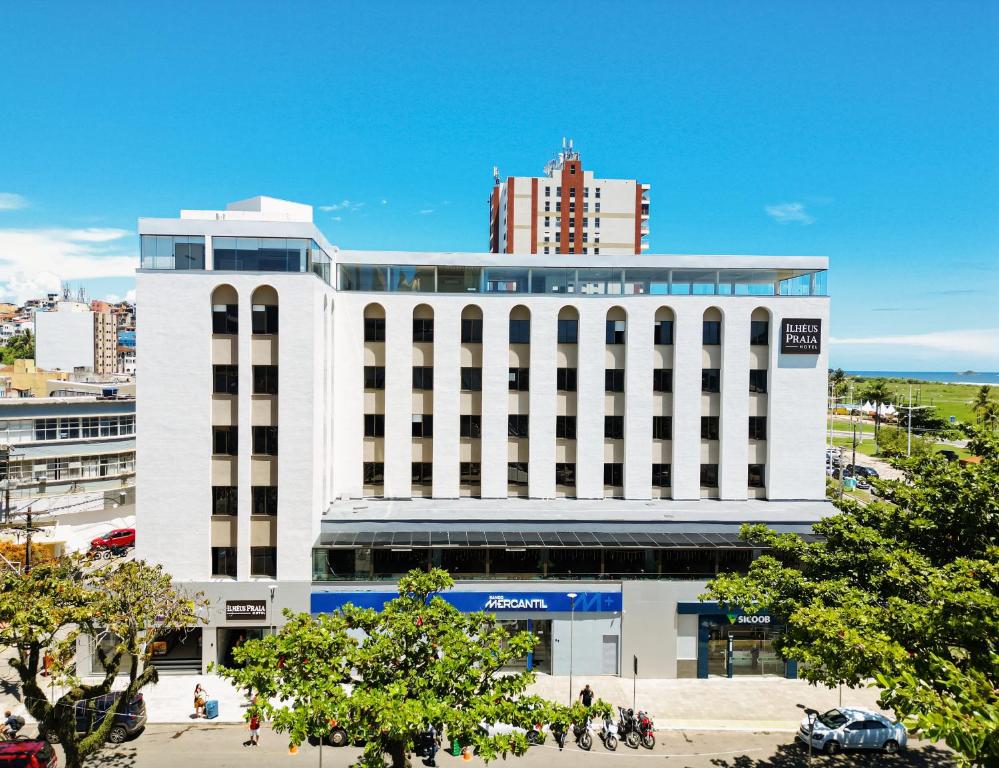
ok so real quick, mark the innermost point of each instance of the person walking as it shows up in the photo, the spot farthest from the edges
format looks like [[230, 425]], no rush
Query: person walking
[[200, 697], [586, 696], [47, 660], [254, 730]]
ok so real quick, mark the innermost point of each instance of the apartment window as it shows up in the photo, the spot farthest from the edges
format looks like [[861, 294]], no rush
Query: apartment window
[[757, 475], [614, 380], [571, 249], [265, 319], [596, 207], [516, 473], [263, 561], [596, 251], [91, 426], [572, 190], [565, 379], [710, 380], [558, 192], [47, 429], [225, 441], [558, 206], [470, 425], [712, 332], [586, 191], [423, 329], [374, 329], [565, 427], [614, 473], [265, 441], [758, 380], [225, 318], [597, 191], [471, 330], [757, 427], [568, 331], [374, 377], [565, 474], [520, 331], [471, 379], [548, 221], [423, 473], [614, 427], [759, 333], [423, 425], [709, 475], [264, 500], [469, 472], [519, 379], [423, 377], [547, 249], [572, 209], [374, 472], [572, 235], [596, 222], [224, 500], [226, 379], [224, 561], [662, 475], [374, 425], [615, 331], [265, 379], [709, 427], [662, 380], [662, 427], [663, 333], [517, 425], [548, 206], [548, 191], [558, 237]]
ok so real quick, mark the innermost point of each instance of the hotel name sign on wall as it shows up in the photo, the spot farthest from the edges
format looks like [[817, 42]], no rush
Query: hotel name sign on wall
[[800, 336]]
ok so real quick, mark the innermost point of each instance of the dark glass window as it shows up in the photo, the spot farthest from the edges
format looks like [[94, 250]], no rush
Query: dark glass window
[[565, 426], [568, 331], [565, 379], [470, 425], [263, 561], [520, 379], [423, 377], [662, 476], [614, 427], [516, 473], [224, 499], [225, 318], [173, 252], [226, 379], [662, 427], [517, 425], [565, 474], [709, 427], [709, 475], [759, 332], [423, 425], [471, 330], [758, 380], [613, 474], [712, 332], [471, 379], [261, 254], [265, 319], [423, 329], [224, 561], [264, 499], [469, 471], [374, 472], [662, 380], [374, 377], [374, 425], [614, 380], [423, 473], [265, 440], [757, 476], [265, 379], [757, 427], [663, 333], [374, 329], [615, 331], [520, 331], [710, 380], [225, 440]]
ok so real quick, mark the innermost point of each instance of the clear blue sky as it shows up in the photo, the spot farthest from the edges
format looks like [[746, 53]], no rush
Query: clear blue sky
[[868, 129]]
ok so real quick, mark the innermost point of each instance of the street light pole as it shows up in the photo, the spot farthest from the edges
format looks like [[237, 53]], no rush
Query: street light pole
[[572, 625]]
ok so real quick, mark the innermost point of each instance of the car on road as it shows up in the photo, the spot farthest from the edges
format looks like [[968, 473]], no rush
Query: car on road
[[27, 753], [127, 723], [948, 454], [853, 728], [861, 471], [119, 537]]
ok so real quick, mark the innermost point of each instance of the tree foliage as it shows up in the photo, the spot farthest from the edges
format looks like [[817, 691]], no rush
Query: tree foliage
[[19, 347], [904, 591], [120, 606], [385, 675], [877, 392]]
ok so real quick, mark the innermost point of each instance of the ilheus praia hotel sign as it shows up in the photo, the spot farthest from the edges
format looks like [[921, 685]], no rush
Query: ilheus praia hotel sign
[[800, 336], [245, 610]]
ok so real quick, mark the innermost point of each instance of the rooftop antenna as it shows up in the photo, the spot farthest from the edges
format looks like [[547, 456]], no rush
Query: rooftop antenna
[[496, 176]]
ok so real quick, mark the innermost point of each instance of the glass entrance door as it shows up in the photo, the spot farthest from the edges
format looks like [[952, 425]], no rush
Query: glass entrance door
[[742, 651], [717, 651]]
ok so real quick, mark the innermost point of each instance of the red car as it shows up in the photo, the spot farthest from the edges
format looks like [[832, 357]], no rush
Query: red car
[[27, 753], [119, 537]]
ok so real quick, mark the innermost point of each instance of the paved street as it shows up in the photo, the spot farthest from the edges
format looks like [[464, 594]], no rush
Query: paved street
[[164, 746]]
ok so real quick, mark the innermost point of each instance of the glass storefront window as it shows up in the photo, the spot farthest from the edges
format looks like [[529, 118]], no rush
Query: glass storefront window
[[553, 280], [506, 280], [172, 252], [419, 279]]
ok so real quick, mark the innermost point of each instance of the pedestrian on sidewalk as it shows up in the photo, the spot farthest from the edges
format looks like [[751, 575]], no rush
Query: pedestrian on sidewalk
[[200, 697], [47, 660], [586, 696], [254, 740]]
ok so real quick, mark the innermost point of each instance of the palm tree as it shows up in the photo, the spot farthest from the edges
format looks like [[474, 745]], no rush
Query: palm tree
[[837, 380], [990, 415], [982, 400], [877, 392]]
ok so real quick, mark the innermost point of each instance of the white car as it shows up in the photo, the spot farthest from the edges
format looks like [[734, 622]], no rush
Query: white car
[[853, 728]]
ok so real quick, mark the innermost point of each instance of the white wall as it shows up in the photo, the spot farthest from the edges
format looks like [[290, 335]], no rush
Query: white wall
[[64, 340]]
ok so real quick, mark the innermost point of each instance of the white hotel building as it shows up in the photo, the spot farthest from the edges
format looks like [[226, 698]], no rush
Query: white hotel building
[[577, 442]]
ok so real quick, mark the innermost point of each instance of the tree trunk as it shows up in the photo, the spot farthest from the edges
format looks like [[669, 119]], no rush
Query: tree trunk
[[397, 752]]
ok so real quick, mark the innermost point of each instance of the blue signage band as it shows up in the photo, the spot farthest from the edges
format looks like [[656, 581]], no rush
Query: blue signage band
[[490, 602]]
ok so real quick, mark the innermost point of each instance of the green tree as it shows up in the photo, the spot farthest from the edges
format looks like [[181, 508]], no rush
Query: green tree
[[990, 415], [904, 591], [120, 606], [385, 675], [19, 347], [895, 443], [838, 382], [877, 392], [983, 397]]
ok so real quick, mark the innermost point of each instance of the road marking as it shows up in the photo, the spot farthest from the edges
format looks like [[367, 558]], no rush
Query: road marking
[[652, 753]]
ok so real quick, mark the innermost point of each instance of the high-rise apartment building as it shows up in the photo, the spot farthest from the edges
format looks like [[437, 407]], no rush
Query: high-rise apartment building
[[568, 211], [73, 335]]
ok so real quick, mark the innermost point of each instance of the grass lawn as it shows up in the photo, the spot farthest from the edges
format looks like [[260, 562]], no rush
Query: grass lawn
[[866, 447], [843, 424], [948, 399]]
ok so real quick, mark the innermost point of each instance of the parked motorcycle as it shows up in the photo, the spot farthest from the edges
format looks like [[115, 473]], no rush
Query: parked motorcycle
[[627, 727], [646, 729], [608, 734], [584, 739]]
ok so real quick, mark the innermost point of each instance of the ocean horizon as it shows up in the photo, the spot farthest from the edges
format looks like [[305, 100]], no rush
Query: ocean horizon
[[949, 377]]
